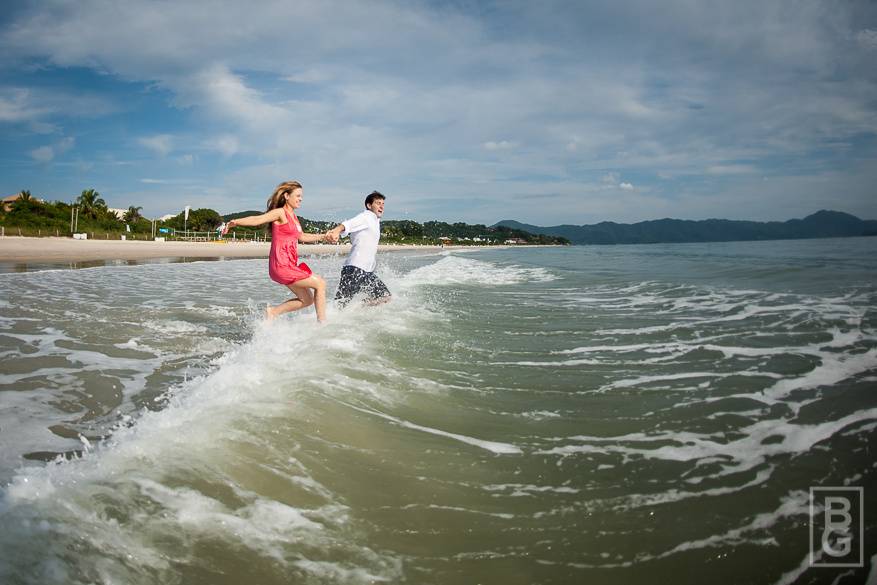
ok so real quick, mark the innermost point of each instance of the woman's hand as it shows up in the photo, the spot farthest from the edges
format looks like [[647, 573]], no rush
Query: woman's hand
[[223, 229], [335, 234]]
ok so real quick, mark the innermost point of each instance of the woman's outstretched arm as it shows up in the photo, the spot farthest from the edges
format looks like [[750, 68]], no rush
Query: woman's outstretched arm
[[256, 220], [313, 238]]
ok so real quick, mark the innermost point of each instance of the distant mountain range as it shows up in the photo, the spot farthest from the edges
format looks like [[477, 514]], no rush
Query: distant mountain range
[[823, 224]]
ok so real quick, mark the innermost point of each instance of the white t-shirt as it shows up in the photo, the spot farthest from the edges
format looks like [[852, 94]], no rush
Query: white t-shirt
[[365, 232]]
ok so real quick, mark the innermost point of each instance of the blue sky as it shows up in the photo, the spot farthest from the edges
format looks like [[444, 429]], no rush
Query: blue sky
[[546, 112]]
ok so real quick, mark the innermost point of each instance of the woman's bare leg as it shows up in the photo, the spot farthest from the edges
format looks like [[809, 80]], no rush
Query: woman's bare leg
[[304, 299], [318, 297]]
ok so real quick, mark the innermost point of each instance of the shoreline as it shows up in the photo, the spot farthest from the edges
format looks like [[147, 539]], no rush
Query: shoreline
[[49, 250]]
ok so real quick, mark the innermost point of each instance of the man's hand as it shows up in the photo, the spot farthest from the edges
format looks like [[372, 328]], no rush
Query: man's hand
[[334, 235]]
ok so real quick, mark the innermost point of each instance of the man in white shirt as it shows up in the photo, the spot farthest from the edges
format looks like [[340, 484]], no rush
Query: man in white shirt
[[358, 275]]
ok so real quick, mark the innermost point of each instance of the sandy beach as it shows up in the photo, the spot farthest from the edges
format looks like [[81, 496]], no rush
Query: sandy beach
[[53, 250]]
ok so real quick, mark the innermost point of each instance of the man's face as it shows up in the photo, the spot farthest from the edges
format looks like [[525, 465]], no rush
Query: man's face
[[377, 207]]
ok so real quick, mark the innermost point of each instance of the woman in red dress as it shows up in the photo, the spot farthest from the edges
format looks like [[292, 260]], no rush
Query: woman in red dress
[[283, 266]]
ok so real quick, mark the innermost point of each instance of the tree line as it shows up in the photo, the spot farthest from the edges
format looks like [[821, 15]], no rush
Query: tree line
[[92, 214], [406, 231]]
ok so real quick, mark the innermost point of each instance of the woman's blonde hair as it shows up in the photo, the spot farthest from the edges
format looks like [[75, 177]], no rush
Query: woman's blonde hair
[[278, 198]]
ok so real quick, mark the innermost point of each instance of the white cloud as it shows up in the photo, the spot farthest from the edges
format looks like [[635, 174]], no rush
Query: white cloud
[[500, 145], [226, 95], [612, 180], [731, 169], [64, 144], [226, 145], [151, 181], [48, 153], [310, 76], [43, 128], [16, 106], [161, 144], [867, 38], [34, 105], [42, 154]]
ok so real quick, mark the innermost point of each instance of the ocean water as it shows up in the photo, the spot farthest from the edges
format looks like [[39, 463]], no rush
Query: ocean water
[[630, 414]]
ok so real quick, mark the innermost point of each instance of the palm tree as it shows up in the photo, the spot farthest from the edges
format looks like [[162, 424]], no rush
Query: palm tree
[[90, 203], [132, 215], [22, 201]]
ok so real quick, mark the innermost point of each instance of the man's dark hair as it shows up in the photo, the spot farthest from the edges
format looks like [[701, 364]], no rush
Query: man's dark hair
[[372, 196]]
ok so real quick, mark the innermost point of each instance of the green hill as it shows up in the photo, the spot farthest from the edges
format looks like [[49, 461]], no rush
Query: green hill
[[430, 232], [241, 214]]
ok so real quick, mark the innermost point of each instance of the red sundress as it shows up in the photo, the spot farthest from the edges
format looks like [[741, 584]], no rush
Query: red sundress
[[283, 266]]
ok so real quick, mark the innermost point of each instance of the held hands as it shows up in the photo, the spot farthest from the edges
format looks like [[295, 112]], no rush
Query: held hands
[[334, 235]]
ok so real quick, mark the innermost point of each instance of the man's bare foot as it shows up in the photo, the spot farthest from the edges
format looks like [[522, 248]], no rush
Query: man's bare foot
[[269, 313]]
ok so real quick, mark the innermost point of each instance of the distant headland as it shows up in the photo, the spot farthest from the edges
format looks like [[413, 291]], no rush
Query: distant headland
[[823, 224]]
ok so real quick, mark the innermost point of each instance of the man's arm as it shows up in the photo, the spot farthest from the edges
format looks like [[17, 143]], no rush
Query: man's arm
[[348, 227], [335, 233]]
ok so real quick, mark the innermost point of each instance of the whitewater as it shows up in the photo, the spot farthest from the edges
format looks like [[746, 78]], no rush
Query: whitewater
[[627, 414]]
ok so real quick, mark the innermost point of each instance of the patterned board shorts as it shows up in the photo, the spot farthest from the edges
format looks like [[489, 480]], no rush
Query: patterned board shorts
[[355, 281]]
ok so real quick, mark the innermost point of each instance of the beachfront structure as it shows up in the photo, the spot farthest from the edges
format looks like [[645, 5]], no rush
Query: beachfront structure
[[8, 201], [516, 241]]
